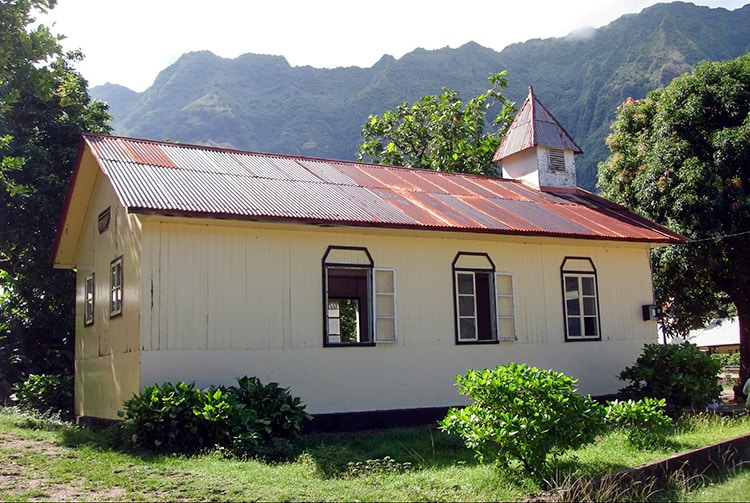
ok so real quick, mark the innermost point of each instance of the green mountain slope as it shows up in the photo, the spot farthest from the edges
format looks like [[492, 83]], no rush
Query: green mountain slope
[[261, 103]]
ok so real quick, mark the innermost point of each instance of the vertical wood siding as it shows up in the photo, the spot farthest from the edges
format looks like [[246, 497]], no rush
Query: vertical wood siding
[[235, 299], [107, 352]]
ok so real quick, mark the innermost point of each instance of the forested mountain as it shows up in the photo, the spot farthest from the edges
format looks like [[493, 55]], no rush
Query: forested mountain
[[261, 103]]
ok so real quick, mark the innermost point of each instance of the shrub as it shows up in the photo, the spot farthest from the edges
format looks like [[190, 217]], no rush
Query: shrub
[[523, 413], [163, 418], [277, 412], [45, 394], [643, 422], [250, 419], [678, 373], [726, 359]]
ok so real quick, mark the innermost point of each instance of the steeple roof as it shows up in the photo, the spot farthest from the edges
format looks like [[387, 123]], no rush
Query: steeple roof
[[534, 126]]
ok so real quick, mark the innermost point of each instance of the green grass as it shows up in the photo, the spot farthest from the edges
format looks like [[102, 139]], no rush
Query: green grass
[[417, 464]]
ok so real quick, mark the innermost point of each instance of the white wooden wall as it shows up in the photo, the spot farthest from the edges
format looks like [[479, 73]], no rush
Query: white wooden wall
[[233, 299]]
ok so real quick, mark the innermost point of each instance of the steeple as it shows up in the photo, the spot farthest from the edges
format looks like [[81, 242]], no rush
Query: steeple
[[537, 149]]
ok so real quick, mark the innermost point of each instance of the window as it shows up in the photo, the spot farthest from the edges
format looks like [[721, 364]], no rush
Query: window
[[360, 300], [580, 299], [88, 301], [115, 298], [484, 305]]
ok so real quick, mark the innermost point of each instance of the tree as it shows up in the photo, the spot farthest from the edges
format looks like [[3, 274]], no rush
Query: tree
[[439, 133], [44, 106], [681, 157]]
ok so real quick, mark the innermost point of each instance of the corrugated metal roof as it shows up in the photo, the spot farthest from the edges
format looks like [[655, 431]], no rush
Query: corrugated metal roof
[[190, 180], [533, 126]]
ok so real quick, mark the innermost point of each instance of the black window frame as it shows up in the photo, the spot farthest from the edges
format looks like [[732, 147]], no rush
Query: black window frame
[[89, 300], [364, 271], [579, 274], [488, 322], [116, 306]]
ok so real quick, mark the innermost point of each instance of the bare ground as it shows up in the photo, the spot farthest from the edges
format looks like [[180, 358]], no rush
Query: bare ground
[[17, 481]]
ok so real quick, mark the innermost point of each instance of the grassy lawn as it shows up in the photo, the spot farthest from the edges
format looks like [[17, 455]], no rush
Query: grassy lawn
[[42, 459]]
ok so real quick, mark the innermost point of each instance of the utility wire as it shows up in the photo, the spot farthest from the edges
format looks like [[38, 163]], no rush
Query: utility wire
[[717, 238]]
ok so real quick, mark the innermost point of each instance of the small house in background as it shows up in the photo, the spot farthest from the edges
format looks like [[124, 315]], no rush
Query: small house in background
[[718, 336], [363, 288]]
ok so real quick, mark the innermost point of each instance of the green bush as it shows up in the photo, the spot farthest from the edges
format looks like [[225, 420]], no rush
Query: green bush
[[45, 394], [250, 419], [523, 413], [643, 422], [726, 359], [164, 418], [678, 373]]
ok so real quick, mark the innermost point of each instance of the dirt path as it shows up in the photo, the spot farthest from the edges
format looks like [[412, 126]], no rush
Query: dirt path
[[17, 480]]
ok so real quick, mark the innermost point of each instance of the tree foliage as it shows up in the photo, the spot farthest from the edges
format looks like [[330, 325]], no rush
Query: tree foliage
[[681, 157], [438, 132], [44, 106], [678, 373]]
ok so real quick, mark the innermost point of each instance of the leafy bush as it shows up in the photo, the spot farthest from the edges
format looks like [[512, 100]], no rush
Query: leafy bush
[[678, 373], [726, 359], [524, 413], [643, 422], [163, 417], [250, 419], [45, 394], [278, 413]]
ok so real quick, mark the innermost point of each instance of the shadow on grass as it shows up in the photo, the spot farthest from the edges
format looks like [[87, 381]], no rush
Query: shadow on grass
[[418, 447]]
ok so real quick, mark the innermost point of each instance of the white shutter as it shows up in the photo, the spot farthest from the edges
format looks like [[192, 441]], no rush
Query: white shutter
[[385, 305], [506, 307]]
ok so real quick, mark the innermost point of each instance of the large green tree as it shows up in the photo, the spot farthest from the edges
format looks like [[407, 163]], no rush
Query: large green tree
[[681, 157], [44, 106], [438, 132]]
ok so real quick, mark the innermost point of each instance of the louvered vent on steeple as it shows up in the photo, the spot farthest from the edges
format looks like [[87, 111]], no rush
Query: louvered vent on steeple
[[537, 149]]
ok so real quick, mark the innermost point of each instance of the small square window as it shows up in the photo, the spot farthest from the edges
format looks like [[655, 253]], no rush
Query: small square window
[[115, 299]]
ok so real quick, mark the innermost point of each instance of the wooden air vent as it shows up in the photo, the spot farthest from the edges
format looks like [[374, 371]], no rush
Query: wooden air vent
[[103, 221], [556, 160]]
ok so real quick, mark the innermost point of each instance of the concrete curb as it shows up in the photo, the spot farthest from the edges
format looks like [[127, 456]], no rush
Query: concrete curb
[[726, 454]]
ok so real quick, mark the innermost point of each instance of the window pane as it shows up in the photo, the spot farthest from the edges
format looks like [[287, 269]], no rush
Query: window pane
[[465, 283], [589, 306], [334, 326], [385, 306], [349, 320], [386, 329], [504, 284], [384, 281], [587, 283], [574, 308], [574, 327], [571, 286], [507, 328], [505, 306], [589, 326], [467, 329], [465, 306]]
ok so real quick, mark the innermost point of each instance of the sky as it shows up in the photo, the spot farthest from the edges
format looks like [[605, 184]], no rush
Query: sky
[[128, 42]]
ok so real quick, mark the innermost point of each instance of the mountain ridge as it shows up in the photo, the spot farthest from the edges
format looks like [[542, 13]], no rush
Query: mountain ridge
[[262, 103]]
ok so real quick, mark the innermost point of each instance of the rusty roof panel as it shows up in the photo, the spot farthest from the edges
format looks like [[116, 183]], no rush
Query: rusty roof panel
[[178, 179], [328, 172], [533, 126]]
